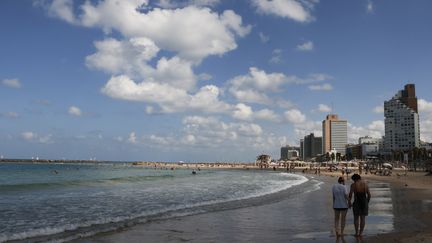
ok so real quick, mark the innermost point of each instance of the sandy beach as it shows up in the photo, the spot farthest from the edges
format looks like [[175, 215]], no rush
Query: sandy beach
[[402, 216]]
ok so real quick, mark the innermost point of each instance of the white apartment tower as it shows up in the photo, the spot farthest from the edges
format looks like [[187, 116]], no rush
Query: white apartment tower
[[402, 129]]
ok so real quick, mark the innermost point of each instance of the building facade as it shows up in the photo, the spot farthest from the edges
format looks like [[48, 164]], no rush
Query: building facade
[[289, 152], [335, 135], [402, 128], [301, 152], [354, 151], [312, 146]]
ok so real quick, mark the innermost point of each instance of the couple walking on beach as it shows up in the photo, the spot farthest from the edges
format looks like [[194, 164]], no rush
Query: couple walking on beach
[[342, 201]]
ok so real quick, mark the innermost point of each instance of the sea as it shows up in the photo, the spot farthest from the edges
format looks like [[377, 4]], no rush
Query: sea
[[64, 202]]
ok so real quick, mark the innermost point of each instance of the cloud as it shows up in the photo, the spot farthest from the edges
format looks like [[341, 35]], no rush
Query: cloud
[[170, 29], [424, 106], [12, 83], [246, 113], [425, 113], [169, 98], [307, 46], [153, 56], [183, 3], [243, 112], [74, 111], [321, 87], [370, 8], [204, 76], [132, 138], [375, 129], [130, 57], [263, 38], [208, 130], [307, 127], [324, 108], [377, 125], [200, 132], [252, 87], [62, 9], [127, 56], [378, 109], [266, 114], [276, 56], [28, 135], [9, 114], [295, 116], [34, 137], [285, 104], [298, 10]]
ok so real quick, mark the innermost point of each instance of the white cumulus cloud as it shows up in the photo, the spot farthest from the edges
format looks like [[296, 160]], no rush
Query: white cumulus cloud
[[295, 116], [169, 98], [243, 112], [132, 138], [298, 10], [171, 29], [324, 108], [375, 129], [74, 111], [183, 3]]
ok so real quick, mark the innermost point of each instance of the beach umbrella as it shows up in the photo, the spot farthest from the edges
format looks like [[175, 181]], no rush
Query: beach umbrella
[[387, 165]]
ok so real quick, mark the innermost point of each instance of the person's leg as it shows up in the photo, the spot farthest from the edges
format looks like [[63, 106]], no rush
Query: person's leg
[[356, 224], [362, 223], [343, 218], [336, 221]]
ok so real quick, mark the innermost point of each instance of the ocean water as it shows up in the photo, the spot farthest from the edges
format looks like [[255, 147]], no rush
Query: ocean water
[[61, 202]]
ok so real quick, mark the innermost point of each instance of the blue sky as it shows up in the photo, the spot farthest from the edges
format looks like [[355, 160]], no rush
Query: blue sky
[[202, 80]]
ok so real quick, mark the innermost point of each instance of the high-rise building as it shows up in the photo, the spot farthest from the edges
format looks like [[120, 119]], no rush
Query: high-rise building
[[301, 149], [289, 152], [312, 146], [335, 135], [402, 129]]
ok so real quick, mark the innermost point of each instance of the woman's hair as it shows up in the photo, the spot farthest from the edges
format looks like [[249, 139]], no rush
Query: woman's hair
[[355, 177], [341, 179]]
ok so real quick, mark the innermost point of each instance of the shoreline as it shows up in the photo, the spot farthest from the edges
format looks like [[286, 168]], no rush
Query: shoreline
[[405, 201], [411, 202]]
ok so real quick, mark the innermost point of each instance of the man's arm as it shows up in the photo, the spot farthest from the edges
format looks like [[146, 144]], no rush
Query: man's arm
[[350, 195], [368, 193]]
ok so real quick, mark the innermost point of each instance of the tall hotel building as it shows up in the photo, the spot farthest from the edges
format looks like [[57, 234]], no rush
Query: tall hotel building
[[402, 129], [335, 135]]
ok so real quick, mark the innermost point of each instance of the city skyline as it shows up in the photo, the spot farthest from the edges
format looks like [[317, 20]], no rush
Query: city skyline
[[202, 80]]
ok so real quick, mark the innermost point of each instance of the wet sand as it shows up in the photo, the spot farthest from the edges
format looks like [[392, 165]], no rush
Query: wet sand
[[400, 211]]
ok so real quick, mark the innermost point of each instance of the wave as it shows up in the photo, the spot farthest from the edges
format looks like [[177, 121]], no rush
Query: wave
[[89, 228], [91, 182]]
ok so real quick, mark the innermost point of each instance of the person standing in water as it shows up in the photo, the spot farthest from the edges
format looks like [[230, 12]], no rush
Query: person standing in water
[[360, 206], [340, 205]]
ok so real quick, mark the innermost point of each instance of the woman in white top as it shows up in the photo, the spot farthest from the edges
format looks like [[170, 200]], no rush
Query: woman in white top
[[340, 205]]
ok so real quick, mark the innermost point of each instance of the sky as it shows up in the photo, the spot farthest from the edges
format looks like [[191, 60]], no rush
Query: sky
[[202, 80]]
